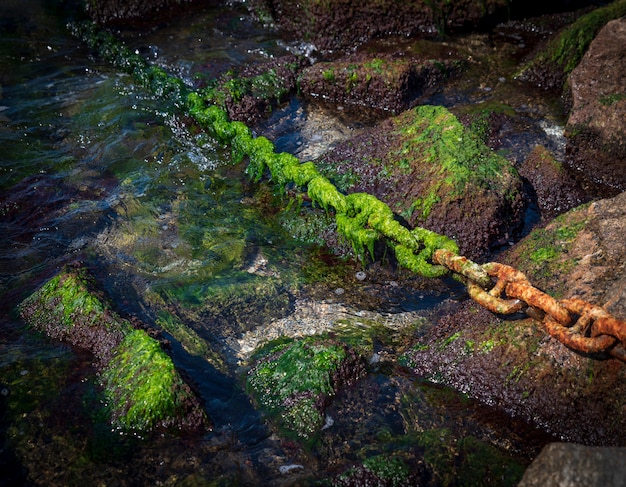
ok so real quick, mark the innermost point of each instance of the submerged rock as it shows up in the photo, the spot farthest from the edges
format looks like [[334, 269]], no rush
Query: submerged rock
[[294, 381], [142, 388]]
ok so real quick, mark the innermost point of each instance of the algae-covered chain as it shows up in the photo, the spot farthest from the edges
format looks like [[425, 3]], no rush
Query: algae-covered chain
[[363, 219]]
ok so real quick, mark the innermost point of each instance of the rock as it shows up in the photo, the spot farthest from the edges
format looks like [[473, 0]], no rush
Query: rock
[[597, 123], [294, 381], [384, 82], [142, 389], [555, 190], [342, 25], [116, 11], [581, 253], [433, 172], [514, 364], [251, 93], [550, 67], [561, 464]]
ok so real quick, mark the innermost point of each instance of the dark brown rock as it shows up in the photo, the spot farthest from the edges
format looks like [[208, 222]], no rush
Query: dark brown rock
[[385, 82], [434, 173], [344, 24], [515, 364], [118, 11], [555, 190], [597, 123]]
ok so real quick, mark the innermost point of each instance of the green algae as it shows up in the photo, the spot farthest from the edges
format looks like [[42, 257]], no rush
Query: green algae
[[384, 469], [567, 49], [142, 388], [390, 468], [476, 462], [455, 157], [232, 88], [193, 343], [293, 379]]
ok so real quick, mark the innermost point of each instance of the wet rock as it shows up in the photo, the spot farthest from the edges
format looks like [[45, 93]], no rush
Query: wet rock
[[343, 25], [514, 364], [385, 82], [433, 172], [597, 123], [555, 190], [252, 93], [294, 381], [571, 464], [142, 389], [581, 253], [116, 11], [551, 66]]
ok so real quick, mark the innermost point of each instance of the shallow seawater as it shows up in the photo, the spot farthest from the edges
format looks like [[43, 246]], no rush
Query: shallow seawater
[[95, 169]]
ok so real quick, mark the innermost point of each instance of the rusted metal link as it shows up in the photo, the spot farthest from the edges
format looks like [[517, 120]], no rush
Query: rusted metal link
[[572, 338], [595, 331], [494, 304], [575, 323], [463, 266], [540, 300], [603, 322], [514, 284]]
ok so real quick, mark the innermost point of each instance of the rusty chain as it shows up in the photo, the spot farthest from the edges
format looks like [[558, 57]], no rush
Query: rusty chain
[[579, 325]]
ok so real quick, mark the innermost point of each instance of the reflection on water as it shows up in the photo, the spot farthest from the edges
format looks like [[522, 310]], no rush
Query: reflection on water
[[93, 168]]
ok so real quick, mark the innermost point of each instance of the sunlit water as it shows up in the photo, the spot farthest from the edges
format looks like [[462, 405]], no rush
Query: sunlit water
[[94, 168]]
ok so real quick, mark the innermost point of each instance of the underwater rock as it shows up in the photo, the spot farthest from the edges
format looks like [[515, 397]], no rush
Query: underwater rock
[[392, 83], [382, 470], [142, 389], [433, 172], [596, 128], [295, 380], [514, 364]]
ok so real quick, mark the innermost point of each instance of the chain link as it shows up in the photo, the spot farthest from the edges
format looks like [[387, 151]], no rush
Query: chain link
[[576, 323]]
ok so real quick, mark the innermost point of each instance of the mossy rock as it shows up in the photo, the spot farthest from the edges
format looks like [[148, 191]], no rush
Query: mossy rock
[[142, 388], [551, 66], [383, 82], [383, 470], [253, 92], [293, 380], [434, 173], [544, 255]]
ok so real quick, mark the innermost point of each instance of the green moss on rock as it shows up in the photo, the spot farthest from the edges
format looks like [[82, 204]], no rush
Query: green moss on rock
[[142, 388], [543, 255], [563, 53], [293, 381]]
